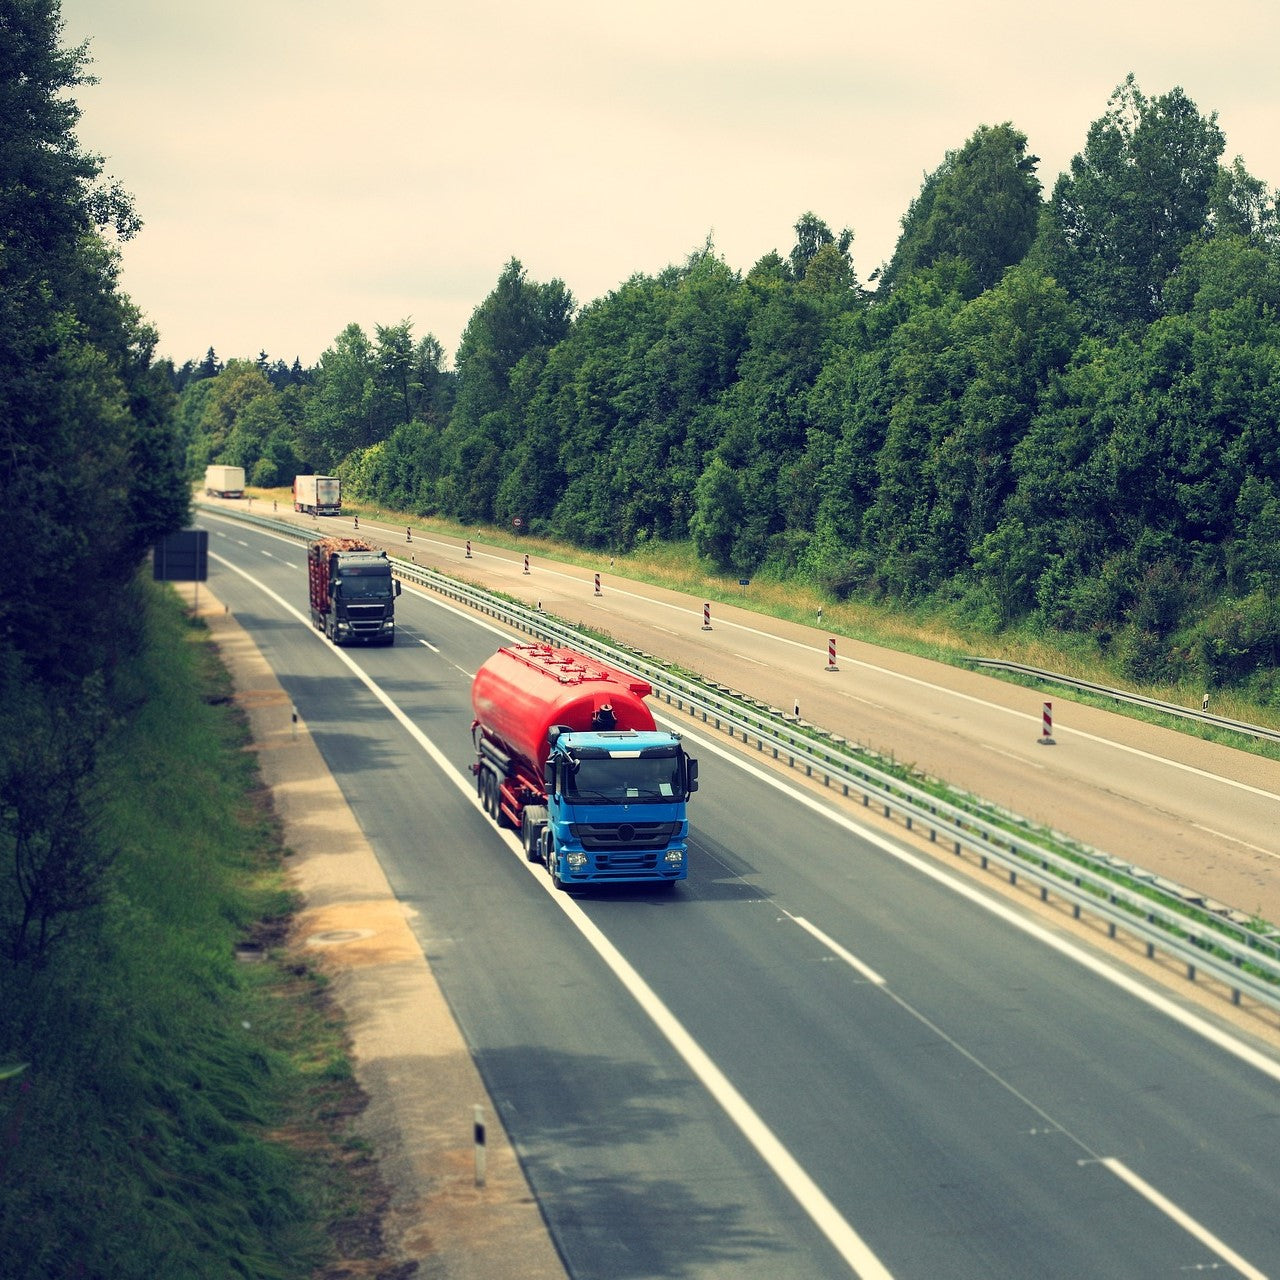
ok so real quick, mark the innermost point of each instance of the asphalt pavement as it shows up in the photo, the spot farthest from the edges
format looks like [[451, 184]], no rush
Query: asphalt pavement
[[409, 1055]]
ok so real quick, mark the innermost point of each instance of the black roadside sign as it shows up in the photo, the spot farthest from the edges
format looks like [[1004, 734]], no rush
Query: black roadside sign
[[182, 557]]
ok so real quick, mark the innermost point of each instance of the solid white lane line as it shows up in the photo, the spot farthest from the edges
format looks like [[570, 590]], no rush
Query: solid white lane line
[[1185, 1221], [1244, 844]]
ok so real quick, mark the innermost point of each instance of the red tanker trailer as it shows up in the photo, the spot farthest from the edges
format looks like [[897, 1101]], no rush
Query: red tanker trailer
[[568, 753]]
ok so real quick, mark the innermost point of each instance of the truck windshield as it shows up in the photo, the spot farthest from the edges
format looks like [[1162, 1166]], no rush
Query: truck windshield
[[365, 584], [613, 780]]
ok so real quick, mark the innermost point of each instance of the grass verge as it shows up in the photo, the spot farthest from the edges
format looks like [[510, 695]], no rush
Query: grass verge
[[171, 1110]]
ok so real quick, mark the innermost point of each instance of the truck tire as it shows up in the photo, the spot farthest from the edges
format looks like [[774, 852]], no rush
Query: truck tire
[[532, 823]]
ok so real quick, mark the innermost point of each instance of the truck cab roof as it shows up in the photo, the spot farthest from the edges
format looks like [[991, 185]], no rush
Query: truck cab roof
[[619, 741]]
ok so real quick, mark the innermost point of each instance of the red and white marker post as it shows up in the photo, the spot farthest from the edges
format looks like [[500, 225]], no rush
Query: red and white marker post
[[598, 584], [1046, 726], [831, 655], [706, 617], [526, 564]]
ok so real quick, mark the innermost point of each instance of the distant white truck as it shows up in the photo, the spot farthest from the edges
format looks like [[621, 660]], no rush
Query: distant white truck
[[224, 482], [317, 495]]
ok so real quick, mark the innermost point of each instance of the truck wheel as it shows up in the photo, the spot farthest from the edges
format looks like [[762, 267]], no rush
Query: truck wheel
[[553, 866], [533, 821]]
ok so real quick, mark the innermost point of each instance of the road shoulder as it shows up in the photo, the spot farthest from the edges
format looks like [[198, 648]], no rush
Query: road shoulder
[[409, 1055]]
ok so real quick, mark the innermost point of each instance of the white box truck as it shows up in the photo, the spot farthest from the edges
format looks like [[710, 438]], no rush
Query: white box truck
[[317, 495], [224, 482]]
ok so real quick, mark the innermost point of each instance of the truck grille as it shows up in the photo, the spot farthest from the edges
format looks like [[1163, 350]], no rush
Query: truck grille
[[365, 617], [625, 864], [619, 839]]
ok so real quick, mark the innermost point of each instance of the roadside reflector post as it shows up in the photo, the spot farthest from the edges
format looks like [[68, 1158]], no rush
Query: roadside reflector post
[[1046, 726], [480, 1144], [355, 522], [408, 533], [795, 711], [526, 564], [597, 584], [468, 555], [831, 655], [706, 617]]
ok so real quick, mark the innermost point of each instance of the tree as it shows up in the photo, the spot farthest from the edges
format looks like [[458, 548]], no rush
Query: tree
[[88, 453], [981, 205], [717, 513], [1242, 205], [518, 317], [1133, 200], [340, 414], [813, 234], [409, 377]]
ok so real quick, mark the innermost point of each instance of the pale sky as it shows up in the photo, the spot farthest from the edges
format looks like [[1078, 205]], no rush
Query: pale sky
[[302, 164]]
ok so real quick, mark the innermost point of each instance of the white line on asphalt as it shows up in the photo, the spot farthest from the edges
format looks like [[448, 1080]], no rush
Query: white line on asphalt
[[1219, 835], [1184, 1220], [1011, 755], [836, 949]]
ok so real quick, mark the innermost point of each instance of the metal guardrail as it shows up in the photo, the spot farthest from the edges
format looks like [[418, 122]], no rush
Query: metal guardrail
[[1206, 937], [1137, 699]]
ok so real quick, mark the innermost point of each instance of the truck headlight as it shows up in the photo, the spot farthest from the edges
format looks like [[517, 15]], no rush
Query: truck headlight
[[576, 861], [674, 857]]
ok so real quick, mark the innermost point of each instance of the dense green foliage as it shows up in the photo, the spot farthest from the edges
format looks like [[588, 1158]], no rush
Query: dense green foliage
[[136, 1083], [1058, 412], [90, 459], [141, 1139]]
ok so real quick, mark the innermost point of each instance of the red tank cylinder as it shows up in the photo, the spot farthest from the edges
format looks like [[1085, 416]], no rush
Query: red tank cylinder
[[524, 689]]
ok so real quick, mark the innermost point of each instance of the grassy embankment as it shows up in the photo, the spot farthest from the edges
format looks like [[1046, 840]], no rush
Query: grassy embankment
[[180, 1112], [951, 638]]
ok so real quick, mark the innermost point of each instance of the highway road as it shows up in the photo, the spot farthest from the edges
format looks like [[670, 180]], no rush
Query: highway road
[[1199, 813], [824, 1056]]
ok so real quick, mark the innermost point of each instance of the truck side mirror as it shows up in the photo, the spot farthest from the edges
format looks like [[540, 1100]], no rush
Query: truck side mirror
[[397, 582], [549, 777], [691, 773]]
